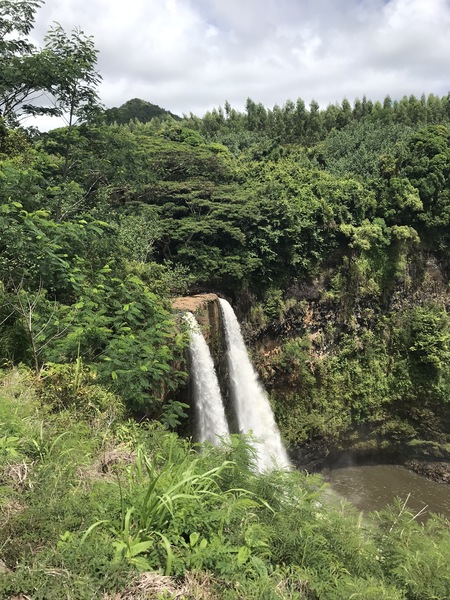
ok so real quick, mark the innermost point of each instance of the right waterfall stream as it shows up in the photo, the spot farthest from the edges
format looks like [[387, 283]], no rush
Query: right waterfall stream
[[253, 411]]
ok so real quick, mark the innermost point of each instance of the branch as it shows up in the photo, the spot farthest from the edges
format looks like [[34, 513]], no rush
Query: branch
[[73, 206], [402, 510]]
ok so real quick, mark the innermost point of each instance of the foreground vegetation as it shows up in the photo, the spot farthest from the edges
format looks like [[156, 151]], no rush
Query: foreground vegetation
[[92, 504]]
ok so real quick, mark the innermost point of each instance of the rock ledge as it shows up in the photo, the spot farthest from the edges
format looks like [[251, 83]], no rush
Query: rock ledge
[[193, 303]]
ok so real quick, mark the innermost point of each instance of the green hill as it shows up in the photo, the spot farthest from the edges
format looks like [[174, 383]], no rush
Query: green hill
[[138, 109]]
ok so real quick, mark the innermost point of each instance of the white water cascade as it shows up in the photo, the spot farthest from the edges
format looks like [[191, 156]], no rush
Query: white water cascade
[[253, 411], [210, 414]]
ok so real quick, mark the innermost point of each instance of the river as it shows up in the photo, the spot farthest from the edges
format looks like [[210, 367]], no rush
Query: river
[[372, 487]]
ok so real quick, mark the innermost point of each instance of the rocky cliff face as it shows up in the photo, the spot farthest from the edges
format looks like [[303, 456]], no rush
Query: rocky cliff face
[[206, 309], [360, 363]]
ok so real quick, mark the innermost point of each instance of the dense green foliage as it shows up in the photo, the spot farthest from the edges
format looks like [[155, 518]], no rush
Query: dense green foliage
[[329, 231]]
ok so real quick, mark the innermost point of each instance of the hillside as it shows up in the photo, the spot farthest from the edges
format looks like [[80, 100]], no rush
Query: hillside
[[136, 109]]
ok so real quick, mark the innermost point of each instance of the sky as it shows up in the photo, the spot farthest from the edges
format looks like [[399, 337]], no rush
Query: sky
[[193, 55]]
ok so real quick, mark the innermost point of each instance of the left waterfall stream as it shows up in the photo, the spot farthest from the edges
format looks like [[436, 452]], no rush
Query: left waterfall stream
[[211, 422]]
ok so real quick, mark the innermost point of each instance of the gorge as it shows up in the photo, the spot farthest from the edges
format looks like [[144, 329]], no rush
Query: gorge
[[366, 483]]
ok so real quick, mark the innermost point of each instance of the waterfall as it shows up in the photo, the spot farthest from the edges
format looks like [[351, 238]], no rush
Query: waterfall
[[210, 414], [253, 411]]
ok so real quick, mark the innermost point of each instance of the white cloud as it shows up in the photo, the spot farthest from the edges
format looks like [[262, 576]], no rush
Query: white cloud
[[191, 55]]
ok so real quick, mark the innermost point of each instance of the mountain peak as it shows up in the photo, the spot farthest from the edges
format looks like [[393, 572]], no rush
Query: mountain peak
[[138, 109]]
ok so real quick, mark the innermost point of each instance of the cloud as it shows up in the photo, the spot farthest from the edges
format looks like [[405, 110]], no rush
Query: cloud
[[191, 55]]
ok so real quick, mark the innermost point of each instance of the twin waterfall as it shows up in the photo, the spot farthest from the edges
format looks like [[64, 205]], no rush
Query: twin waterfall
[[251, 405]]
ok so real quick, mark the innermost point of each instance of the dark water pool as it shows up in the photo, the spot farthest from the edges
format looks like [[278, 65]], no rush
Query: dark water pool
[[373, 487]]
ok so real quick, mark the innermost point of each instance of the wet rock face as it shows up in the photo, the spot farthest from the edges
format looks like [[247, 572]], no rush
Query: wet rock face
[[206, 310]]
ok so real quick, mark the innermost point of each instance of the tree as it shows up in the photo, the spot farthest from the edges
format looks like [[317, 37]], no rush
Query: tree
[[301, 117], [16, 16], [331, 116], [64, 71], [22, 77], [427, 166], [41, 322], [358, 110], [73, 59], [314, 127], [387, 110], [256, 115], [345, 114]]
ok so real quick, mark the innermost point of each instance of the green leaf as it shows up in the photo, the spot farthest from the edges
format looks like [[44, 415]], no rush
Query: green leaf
[[141, 564], [243, 554], [90, 529], [140, 547]]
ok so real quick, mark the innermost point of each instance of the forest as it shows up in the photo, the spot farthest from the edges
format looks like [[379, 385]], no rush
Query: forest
[[326, 228]]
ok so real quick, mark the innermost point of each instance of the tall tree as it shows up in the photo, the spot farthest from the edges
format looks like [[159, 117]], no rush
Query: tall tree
[[345, 114], [73, 59], [74, 88], [64, 72], [22, 77], [314, 128], [301, 116]]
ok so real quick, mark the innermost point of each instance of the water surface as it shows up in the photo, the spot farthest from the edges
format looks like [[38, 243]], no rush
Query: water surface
[[373, 487]]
